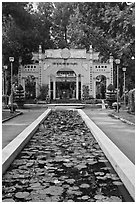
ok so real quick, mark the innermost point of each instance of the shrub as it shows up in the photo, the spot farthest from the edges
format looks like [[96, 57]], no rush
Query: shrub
[[43, 92], [85, 94], [5, 99], [19, 97], [131, 101]]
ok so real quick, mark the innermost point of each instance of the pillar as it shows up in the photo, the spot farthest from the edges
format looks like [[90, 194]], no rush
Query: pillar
[[37, 91], [107, 82], [94, 87], [23, 83], [77, 87], [2, 82], [40, 65], [54, 88]]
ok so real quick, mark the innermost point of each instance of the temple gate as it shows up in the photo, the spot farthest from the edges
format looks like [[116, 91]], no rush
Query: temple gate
[[67, 71]]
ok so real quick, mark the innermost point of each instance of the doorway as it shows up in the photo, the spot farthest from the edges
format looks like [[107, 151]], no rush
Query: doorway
[[65, 90]]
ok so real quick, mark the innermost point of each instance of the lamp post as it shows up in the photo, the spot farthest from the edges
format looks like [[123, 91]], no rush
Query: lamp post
[[19, 71], [117, 63], [5, 80], [11, 59], [124, 70]]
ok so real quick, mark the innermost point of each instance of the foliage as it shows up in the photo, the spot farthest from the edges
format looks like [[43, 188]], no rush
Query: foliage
[[60, 22], [30, 87], [110, 95], [108, 26], [85, 94], [19, 97], [43, 92], [110, 87], [131, 101], [23, 30]]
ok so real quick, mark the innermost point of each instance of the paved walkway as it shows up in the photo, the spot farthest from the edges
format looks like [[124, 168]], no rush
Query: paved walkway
[[120, 133], [14, 126]]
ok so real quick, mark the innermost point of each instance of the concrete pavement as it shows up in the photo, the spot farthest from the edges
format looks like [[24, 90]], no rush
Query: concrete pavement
[[14, 126], [121, 134]]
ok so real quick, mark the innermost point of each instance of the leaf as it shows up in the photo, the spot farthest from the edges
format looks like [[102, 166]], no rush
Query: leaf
[[112, 199], [117, 183], [99, 197], [84, 185], [70, 181], [54, 190], [8, 200], [81, 166], [85, 197], [22, 195]]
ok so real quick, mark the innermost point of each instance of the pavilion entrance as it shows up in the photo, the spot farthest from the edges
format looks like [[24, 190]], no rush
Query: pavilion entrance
[[66, 85], [65, 90]]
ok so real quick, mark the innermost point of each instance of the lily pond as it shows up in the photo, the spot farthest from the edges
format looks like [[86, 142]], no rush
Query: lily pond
[[62, 163]]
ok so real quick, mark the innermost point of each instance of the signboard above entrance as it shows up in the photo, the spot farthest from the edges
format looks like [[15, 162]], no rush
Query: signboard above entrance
[[65, 53]]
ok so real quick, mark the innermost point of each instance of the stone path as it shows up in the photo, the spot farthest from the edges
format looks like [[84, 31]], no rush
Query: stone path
[[11, 128], [121, 134]]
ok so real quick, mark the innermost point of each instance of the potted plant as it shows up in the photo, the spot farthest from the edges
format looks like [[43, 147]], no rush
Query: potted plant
[[19, 96]]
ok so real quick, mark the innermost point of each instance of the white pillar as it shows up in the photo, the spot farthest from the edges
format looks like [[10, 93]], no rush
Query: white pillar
[[49, 87], [36, 88], [23, 83], [54, 88], [107, 82], [94, 87], [77, 87], [2, 82]]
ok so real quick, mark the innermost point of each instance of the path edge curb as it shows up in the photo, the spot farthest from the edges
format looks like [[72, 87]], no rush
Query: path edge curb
[[122, 165], [10, 152], [9, 118], [122, 119]]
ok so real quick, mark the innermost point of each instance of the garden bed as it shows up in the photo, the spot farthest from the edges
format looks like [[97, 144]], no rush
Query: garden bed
[[63, 163]]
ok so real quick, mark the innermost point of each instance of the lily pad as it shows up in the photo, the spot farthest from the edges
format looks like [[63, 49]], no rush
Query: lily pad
[[68, 164], [112, 199], [99, 197], [99, 173], [22, 195], [54, 190], [70, 181], [8, 200], [81, 166], [84, 185], [117, 183], [85, 197], [56, 181]]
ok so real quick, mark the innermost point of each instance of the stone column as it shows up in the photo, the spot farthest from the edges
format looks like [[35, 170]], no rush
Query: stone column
[[23, 83], [2, 82], [40, 65], [37, 91], [54, 88], [94, 87], [77, 87], [107, 82]]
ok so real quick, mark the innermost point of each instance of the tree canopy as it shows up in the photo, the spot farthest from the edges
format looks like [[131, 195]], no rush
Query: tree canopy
[[108, 26]]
